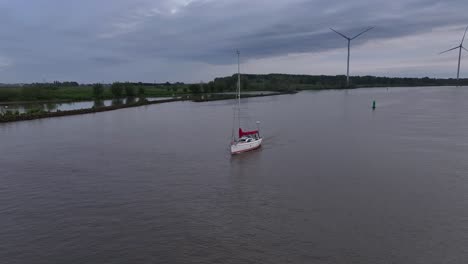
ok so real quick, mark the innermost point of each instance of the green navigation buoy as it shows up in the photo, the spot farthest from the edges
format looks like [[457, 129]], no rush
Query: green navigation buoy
[[373, 105]]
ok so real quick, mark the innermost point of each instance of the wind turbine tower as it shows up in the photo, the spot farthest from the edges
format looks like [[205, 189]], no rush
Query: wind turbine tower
[[460, 47], [349, 45]]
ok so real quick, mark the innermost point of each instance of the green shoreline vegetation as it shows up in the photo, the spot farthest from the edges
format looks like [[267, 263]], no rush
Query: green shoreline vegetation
[[73, 91], [213, 90], [39, 114]]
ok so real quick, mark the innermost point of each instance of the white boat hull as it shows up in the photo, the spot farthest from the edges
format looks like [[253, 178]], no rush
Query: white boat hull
[[245, 146]]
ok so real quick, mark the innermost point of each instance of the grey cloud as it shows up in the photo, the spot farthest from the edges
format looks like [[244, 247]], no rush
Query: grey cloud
[[73, 35], [298, 27], [108, 61]]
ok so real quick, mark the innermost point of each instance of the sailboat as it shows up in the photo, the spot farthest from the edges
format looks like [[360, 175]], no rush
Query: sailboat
[[245, 140]]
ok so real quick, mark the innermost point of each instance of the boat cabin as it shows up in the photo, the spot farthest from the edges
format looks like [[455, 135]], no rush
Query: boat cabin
[[249, 138]]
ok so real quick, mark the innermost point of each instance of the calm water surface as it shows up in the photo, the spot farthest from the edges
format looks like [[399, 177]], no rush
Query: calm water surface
[[335, 182], [66, 106]]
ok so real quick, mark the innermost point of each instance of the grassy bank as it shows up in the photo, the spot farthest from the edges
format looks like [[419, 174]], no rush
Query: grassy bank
[[75, 93], [14, 117]]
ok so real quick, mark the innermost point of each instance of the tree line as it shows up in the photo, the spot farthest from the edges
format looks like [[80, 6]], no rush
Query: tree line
[[249, 82], [285, 82], [119, 90]]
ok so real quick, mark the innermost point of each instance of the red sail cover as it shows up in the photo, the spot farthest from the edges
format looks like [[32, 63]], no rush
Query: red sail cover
[[246, 133]]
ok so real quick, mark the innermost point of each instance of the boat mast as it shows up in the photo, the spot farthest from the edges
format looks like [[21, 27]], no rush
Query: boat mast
[[238, 86]]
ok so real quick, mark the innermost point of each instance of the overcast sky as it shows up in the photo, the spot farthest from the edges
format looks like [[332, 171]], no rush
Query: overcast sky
[[195, 40]]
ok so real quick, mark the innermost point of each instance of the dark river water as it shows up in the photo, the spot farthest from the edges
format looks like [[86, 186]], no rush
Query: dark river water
[[335, 182]]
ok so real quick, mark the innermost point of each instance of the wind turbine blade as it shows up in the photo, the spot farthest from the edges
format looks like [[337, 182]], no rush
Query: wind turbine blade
[[362, 33], [463, 36], [339, 33], [464, 48], [449, 50]]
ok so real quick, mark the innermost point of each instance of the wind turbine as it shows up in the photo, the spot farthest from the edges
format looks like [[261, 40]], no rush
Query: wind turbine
[[459, 54], [349, 44]]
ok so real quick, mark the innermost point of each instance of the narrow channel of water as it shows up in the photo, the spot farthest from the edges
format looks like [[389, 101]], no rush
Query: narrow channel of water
[[66, 106]]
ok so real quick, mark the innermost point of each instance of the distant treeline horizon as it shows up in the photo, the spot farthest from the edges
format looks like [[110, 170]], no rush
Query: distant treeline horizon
[[273, 80], [276, 81], [249, 82]]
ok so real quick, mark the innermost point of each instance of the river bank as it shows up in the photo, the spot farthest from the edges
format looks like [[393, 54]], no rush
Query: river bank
[[15, 117]]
